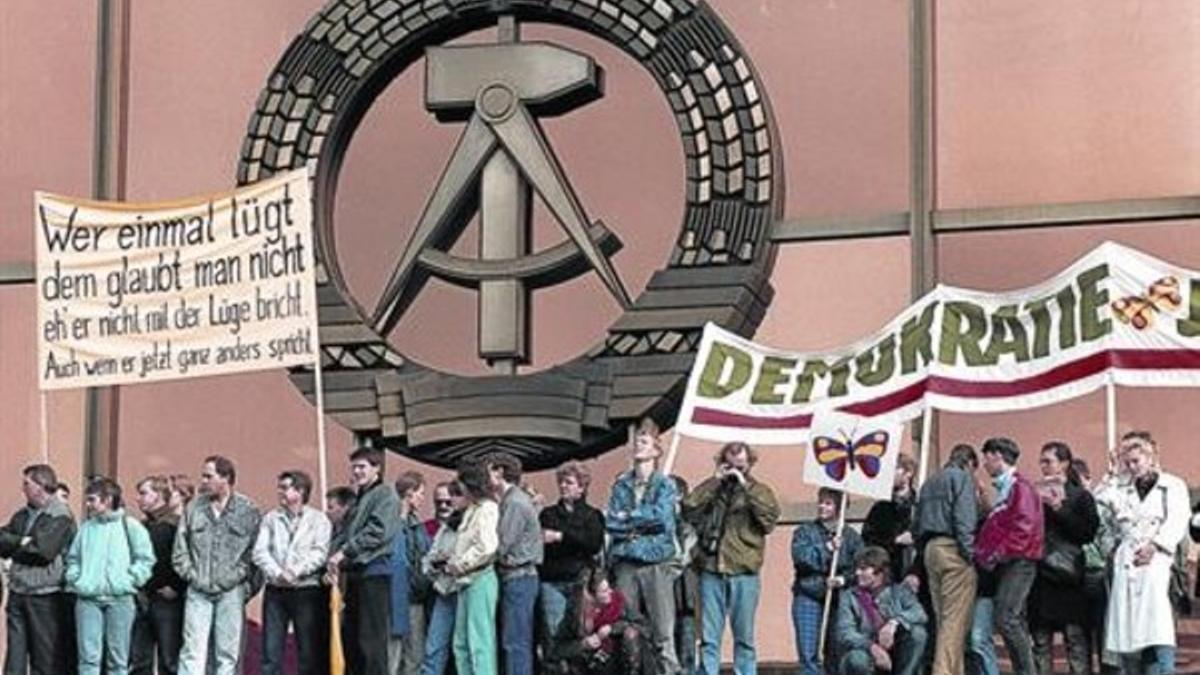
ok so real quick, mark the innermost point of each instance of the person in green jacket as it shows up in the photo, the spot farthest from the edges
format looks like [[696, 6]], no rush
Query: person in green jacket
[[109, 559]]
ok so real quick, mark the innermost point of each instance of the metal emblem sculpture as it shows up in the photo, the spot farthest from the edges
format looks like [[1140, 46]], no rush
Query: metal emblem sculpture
[[717, 271]]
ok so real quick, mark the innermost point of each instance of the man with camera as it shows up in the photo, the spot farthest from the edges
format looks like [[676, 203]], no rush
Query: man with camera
[[733, 513]]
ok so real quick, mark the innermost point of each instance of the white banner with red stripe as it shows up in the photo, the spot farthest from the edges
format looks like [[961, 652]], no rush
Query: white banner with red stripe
[[1115, 313]]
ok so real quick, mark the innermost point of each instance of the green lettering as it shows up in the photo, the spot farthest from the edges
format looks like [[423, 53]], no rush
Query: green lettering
[[871, 370], [1093, 298], [1041, 326], [916, 337], [1065, 299], [956, 339], [1190, 327], [839, 374], [740, 362], [1008, 336], [774, 372]]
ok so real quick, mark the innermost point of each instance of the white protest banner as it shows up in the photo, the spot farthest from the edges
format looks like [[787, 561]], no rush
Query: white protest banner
[[1115, 313], [853, 454], [132, 293]]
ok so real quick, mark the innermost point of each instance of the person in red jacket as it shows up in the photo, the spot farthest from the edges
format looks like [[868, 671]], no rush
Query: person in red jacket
[[1010, 542]]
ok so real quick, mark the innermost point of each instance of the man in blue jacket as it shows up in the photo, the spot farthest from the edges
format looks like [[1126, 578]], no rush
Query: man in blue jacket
[[641, 522]]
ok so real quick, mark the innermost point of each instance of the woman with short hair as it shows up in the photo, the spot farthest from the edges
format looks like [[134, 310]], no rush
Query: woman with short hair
[[109, 560]]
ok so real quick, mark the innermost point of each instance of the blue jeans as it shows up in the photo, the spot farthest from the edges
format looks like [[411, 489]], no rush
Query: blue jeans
[[518, 596], [806, 622], [221, 616], [981, 649], [553, 600], [439, 634], [1156, 660], [104, 627], [735, 596], [685, 643]]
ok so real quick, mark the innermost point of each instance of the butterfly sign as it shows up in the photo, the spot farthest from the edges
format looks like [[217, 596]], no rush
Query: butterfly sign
[[1139, 310], [852, 453]]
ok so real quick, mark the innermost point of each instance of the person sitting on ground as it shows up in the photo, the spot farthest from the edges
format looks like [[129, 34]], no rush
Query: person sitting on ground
[[880, 625], [602, 638]]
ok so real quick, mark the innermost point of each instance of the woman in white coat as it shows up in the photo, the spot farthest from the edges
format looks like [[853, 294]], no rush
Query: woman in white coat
[[1151, 514]]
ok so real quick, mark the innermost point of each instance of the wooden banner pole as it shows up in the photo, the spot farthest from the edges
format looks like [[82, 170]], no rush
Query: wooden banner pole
[[829, 582]]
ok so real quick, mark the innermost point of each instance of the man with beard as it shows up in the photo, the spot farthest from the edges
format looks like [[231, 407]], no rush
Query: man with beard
[[736, 512]]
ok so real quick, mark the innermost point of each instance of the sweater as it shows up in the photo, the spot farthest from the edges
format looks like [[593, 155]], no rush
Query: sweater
[[162, 528], [582, 528], [520, 535]]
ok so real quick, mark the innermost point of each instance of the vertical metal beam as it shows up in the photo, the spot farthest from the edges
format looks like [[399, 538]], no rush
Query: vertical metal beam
[[109, 144], [922, 173]]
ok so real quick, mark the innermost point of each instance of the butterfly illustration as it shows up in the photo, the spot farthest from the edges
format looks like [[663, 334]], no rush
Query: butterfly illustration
[[1139, 310], [836, 455]]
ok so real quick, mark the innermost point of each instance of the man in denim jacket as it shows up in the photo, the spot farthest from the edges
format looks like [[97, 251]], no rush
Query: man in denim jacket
[[880, 625], [213, 553], [641, 522]]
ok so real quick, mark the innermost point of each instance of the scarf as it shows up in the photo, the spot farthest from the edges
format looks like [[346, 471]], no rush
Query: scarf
[[870, 608]]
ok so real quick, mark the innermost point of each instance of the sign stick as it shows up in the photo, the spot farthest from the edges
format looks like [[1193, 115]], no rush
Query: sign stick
[[1110, 405], [672, 453], [44, 426], [926, 434], [829, 582], [322, 461]]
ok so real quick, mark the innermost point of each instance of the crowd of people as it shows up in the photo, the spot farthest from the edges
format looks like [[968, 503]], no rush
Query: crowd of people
[[497, 582]]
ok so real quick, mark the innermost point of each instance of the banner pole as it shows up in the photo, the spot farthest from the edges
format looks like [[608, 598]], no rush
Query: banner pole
[[926, 435], [672, 453], [322, 462], [44, 426], [829, 582], [1110, 405]]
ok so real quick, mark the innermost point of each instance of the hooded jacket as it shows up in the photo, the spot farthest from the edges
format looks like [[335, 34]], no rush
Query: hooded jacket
[[110, 557], [37, 566]]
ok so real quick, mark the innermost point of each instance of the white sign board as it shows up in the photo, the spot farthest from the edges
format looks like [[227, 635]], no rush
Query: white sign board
[[131, 293]]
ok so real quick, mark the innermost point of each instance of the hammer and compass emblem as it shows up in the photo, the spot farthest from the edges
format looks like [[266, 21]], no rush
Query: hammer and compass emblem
[[499, 89], [717, 270]]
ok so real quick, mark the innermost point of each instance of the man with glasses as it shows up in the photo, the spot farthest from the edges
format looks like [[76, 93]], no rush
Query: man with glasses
[[291, 549]]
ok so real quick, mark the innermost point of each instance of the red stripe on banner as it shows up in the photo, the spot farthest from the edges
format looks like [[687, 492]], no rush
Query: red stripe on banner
[[1059, 375], [1173, 359], [1129, 359], [721, 418]]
